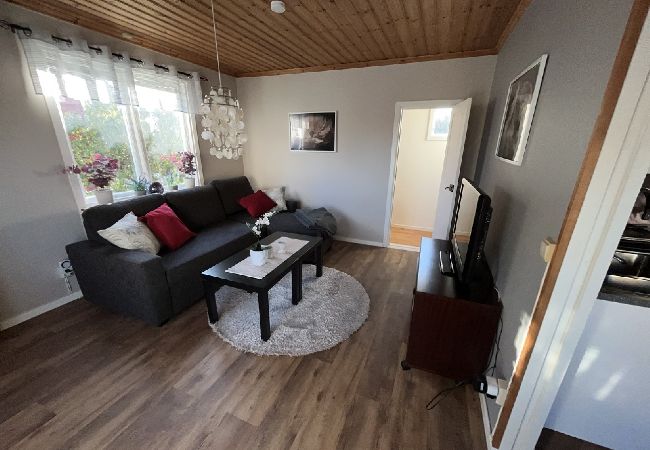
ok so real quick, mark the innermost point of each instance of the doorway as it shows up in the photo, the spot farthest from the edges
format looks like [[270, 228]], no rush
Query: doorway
[[428, 142]]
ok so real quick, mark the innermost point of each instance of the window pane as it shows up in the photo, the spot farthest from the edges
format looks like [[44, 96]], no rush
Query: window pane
[[93, 128], [439, 122], [164, 135]]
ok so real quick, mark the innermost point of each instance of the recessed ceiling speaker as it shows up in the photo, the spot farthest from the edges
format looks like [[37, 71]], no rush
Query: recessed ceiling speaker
[[278, 7]]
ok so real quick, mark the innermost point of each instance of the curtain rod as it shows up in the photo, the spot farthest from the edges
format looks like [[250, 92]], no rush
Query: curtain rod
[[28, 32]]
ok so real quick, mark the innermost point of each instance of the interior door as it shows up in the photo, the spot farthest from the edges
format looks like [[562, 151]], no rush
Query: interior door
[[451, 168]]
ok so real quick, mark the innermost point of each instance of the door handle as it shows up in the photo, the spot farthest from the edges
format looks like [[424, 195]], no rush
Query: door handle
[[450, 188]]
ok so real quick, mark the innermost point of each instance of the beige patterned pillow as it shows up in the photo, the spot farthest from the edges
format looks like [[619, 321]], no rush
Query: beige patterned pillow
[[277, 195], [131, 234]]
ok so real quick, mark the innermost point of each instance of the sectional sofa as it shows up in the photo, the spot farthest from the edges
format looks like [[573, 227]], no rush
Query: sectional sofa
[[156, 288]]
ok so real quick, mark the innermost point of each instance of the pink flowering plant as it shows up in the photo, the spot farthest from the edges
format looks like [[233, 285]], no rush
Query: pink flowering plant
[[99, 172], [186, 163]]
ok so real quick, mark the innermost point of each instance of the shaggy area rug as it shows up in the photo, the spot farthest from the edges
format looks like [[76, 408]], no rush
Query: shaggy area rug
[[332, 308]]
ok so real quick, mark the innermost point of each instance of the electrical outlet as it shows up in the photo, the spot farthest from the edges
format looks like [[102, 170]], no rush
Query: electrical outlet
[[65, 269]]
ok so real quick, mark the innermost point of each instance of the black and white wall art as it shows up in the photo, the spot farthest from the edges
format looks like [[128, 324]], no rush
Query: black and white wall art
[[312, 131], [519, 111]]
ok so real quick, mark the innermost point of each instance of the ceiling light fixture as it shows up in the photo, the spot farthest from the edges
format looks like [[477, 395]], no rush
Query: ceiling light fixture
[[278, 7], [222, 118]]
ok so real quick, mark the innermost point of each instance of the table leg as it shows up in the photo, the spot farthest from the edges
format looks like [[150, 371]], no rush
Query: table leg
[[265, 325], [318, 256], [210, 288], [296, 283]]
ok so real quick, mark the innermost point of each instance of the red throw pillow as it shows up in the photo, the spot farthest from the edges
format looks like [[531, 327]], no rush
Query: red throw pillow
[[168, 228], [257, 204]]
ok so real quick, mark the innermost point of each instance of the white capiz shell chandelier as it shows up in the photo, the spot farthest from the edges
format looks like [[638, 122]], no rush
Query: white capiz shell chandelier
[[223, 124], [222, 118]]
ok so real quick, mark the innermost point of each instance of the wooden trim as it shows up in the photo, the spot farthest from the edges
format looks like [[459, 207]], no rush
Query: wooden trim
[[514, 19], [379, 62], [626, 49]]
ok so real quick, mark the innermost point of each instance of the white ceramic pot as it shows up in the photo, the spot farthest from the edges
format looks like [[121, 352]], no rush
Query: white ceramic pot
[[104, 196], [258, 257], [189, 183], [139, 193]]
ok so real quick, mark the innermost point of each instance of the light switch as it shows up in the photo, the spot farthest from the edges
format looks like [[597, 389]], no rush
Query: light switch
[[547, 248]]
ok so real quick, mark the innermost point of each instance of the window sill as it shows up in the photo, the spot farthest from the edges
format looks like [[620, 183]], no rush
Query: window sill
[[91, 201]]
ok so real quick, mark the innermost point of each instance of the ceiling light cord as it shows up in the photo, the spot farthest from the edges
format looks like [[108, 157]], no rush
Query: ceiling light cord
[[216, 47]]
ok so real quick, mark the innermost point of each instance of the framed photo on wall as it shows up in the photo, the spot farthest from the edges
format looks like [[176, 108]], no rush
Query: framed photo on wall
[[312, 131], [519, 111]]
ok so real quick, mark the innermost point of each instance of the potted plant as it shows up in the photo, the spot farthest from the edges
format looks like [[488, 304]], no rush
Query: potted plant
[[258, 252], [99, 172], [140, 186], [187, 166]]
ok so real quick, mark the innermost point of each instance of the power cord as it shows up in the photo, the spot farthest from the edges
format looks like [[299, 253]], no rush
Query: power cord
[[497, 346], [440, 396]]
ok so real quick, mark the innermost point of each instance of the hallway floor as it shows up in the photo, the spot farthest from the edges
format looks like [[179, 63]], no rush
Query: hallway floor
[[406, 236]]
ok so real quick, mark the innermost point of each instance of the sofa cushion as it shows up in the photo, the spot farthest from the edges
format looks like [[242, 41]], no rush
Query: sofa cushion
[[208, 248], [231, 190], [198, 208], [101, 217], [257, 204], [131, 234], [168, 227], [277, 195]]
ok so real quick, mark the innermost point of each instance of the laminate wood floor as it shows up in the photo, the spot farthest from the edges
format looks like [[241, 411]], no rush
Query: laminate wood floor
[[82, 377], [406, 236]]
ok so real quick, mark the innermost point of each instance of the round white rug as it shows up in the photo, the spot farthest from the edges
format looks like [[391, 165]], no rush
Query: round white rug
[[332, 308]]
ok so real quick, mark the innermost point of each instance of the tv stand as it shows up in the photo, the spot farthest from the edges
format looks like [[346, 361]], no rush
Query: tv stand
[[453, 324]]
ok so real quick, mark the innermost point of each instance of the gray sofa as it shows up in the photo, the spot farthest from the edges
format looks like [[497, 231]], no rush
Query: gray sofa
[[155, 288]]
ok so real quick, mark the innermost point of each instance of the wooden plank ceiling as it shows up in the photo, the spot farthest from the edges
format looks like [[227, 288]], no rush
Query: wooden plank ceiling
[[311, 35]]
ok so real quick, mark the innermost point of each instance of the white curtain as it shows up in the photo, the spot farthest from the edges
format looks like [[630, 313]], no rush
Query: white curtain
[[109, 79]]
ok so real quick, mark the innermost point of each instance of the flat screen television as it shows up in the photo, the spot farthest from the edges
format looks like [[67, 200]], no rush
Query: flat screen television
[[469, 226]]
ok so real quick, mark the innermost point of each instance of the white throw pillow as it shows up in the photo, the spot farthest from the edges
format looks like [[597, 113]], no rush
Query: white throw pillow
[[277, 195], [131, 234]]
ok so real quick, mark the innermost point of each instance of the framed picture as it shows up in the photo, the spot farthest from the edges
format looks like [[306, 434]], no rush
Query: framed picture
[[312, 131], [519, 111]]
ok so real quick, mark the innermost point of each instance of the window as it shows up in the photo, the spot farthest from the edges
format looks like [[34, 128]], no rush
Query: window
[[111, 105], [145, 139], [439, 123]]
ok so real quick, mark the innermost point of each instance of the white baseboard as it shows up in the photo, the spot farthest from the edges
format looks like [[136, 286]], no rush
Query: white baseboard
[[359, 241], [410, 248], [413, 227], [486, 422], [13, 321]]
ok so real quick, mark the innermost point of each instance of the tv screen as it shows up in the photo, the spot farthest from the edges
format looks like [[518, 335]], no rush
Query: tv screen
[[468, 230]]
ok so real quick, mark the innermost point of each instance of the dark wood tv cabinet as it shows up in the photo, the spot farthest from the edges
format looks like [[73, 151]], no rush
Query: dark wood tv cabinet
[[453, 324]]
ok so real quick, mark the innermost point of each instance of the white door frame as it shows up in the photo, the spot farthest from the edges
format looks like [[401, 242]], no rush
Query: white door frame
[[399, 106], [622, 165]]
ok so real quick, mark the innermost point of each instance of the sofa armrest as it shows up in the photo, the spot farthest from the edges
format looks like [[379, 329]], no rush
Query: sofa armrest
[[132, 282]]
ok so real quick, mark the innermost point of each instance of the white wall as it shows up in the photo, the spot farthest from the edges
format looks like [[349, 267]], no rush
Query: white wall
[[352, 183], [39, 215], [605, 396], [419, 167]]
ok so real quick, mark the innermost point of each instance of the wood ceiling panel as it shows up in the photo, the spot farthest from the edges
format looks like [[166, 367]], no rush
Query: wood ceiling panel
[[311, 35]]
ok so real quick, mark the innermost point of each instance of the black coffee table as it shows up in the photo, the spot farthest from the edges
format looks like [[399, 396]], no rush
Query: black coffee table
[[216, 276]]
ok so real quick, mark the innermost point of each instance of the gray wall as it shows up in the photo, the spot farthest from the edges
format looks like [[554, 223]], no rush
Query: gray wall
[[352, 183], [39, 215], [581, 39]]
